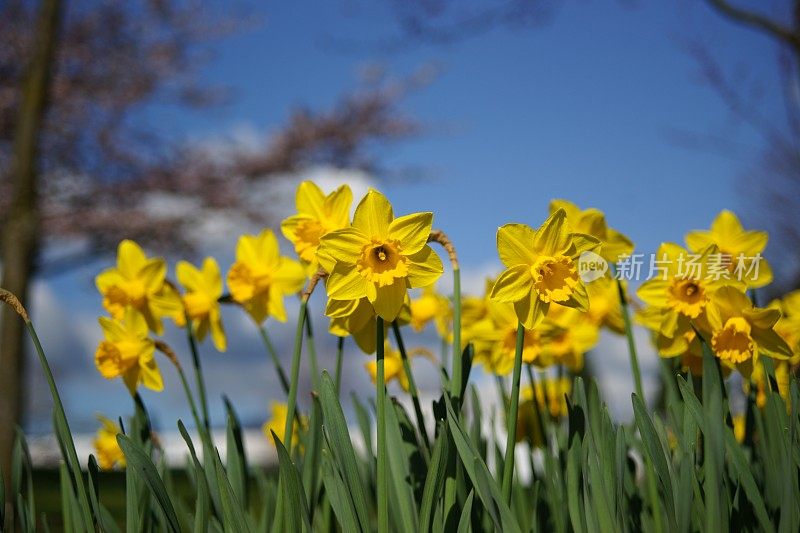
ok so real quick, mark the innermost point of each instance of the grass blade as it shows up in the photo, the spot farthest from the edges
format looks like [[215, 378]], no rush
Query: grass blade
[[294, 496]]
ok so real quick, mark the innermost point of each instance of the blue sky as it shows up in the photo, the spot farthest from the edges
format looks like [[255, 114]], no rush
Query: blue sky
[[579, 108]]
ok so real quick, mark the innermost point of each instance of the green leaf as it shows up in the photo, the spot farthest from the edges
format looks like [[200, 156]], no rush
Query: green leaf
[[465, 524], [742, 469], [140, 462], [434, 483], [574, 501], [232, 512], [201, 510], [399, 473], [342, 448], [478, 472], [655, 452], [294, 495], [311, 457], [339, 495], [236, 465]]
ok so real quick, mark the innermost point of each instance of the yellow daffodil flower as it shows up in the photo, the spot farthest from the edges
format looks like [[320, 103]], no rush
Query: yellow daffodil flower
[[605, 308], [431, 306], [392, 367], [109, 454], [566, 336], [380, 256], [683, 343], [788, 326], [593, 222], [758, 379], [741, 248], [317, 215], [128, 352], [201, 301], [541, 268], [741, 332], [139, 282], [261, 278], [739, 428], [495, 340], [356, 318], [277, 423], [550, 401]]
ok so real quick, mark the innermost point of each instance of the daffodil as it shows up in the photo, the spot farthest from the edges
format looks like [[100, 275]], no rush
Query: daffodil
[[759, 380], [741, 332], [139, 282], [496, 339], [605, 309], [392, 367], [740, 248], [739, 427], [357, 318], [541, 268], [277, 423], [261, 278], [431, 307], [109, 454], [788, 326], [683, 343], [380, 256], [201, 301], [566, 336], [317, 215], [128, 352], [593, 222]]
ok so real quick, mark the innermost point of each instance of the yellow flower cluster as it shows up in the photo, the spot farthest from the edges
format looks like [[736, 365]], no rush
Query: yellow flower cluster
[[692, 298], [542, 289]]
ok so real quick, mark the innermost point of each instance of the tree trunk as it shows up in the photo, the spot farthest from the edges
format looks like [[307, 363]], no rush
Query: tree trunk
[[21, 229]]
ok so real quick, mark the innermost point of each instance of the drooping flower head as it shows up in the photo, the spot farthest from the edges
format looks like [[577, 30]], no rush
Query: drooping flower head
[[128, 352], [261, 277], [541, 268], [741, 332], [613, 244], [277, 423], [380, 257], [109, 454], [317, 215], [139, 282], [201, 301], [741, 249]]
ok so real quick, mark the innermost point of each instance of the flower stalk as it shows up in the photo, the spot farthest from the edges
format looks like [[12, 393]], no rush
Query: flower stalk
[[412, 388], [383, 481], [508, 464]]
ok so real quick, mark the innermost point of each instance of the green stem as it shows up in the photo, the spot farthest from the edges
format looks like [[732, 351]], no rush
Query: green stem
[[72, 456], [275, 360], [501, 392], [412, 388], [383, 486], [508, 465], [637, 374], [312, 354], [339, 361], [292, 401], [198, 373], [456, 378]]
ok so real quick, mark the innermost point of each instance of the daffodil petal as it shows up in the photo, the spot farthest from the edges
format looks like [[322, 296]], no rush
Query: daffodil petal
[[373, 215], [771, 344], [552, 237], [389, 299], [513, 285], [531, 311], [130, 258], [346, 283], [150, 375], [340, 308], [424, 268], [342, 246], [515, 244], [188, 276], [337, 205], [309, 199], [218, 331], [412, 231], [654, 292]]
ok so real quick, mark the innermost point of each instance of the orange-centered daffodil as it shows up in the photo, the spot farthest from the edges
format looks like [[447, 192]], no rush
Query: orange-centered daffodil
[[541, 268], [203, 289], [128, 352], [317, 214], [261, 278], [380, 256]]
